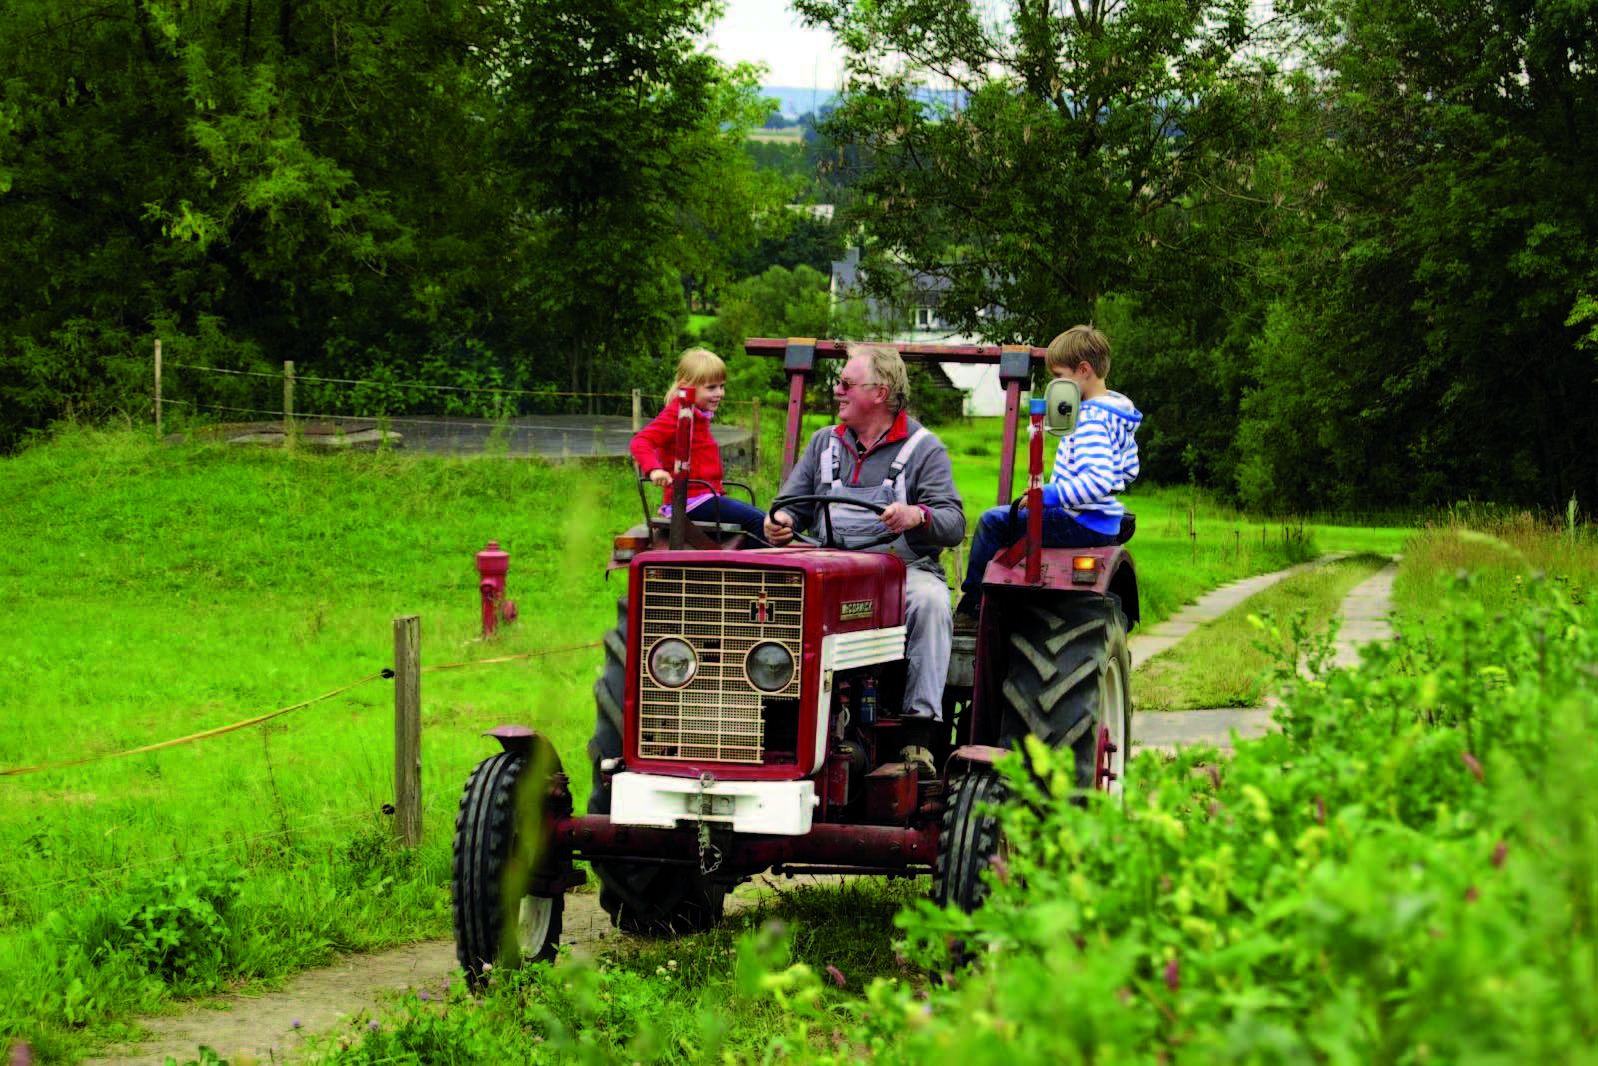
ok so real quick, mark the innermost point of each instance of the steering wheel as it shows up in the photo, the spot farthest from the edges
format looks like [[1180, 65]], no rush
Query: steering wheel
[[888, 536]]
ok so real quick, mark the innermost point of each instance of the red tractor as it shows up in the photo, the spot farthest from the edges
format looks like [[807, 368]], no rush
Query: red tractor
[[746, 713]]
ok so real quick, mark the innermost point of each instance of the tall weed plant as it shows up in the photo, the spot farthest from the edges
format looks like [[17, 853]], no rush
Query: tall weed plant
[[1505, 547]]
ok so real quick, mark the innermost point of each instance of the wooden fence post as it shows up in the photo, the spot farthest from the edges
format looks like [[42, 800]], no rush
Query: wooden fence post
[[158, 387], [637, 411], [754, 445], [288, 401], [408, 729]]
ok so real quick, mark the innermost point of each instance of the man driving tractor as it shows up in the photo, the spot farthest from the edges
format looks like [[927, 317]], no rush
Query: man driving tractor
[[880, 455]]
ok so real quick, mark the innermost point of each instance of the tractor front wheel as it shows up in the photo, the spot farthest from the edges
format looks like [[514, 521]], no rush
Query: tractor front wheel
[[501, 847], [970, 841]]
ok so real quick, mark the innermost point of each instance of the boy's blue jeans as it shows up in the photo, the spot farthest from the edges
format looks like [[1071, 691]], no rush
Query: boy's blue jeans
[[1060, 530]]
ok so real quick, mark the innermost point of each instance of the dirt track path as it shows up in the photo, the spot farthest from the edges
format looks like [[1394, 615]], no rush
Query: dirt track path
[[274, 1026]]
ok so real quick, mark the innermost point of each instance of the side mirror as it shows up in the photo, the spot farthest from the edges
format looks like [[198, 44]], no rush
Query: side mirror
[[1061, 402]]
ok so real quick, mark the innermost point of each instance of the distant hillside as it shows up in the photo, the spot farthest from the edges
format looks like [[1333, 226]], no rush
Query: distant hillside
[[793, 102]]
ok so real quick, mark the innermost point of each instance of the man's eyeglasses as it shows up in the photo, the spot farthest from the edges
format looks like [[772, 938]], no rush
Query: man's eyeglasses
[[845, 384]]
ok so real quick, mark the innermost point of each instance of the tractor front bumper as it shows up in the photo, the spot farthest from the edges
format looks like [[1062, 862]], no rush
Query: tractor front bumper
[[778, 808]]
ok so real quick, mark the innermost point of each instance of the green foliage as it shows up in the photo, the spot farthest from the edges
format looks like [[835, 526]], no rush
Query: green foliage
[[177, 924], [1065, 142], [802, 241], [777, 303], [355, 189], [1401, 875], [1437, 256], [625, 141]]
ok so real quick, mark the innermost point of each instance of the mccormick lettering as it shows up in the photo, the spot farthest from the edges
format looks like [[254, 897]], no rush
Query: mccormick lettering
[[852, 609]]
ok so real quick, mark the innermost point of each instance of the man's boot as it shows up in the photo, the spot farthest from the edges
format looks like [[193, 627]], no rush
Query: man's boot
[[917, 736]]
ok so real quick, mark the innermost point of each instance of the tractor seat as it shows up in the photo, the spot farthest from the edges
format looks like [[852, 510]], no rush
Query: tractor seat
[[715, 532], [709, 535]]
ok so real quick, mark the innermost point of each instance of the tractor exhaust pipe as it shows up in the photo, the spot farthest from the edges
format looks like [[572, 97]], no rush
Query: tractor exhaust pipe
[[679, 470]]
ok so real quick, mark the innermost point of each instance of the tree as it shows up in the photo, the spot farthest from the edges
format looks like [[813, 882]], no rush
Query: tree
[[246, 179], [1428, 334], [504, 192], [1037, 181], [802, 240], [625, 142]]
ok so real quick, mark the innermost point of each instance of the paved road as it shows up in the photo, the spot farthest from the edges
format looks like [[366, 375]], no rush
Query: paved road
[[544, 436], [1365, 612]]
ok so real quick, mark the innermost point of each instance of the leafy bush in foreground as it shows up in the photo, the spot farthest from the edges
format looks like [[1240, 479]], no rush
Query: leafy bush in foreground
[[1402, 875]]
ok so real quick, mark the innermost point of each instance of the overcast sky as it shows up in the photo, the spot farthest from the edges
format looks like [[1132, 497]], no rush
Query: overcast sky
[[768, 31]]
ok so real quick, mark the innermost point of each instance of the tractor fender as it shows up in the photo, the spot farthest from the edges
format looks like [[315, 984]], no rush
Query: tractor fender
[[516, 739], [976, 754]]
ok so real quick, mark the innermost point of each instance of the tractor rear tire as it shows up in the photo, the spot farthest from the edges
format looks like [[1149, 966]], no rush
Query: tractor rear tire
[[1068, 675], [500, 841], [969, 841], [640, 898]]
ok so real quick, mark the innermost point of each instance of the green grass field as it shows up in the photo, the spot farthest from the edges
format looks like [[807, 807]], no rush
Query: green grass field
[[154, 592]]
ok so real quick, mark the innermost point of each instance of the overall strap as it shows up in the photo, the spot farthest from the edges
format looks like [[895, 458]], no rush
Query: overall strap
[[829, 464], [896, 471]]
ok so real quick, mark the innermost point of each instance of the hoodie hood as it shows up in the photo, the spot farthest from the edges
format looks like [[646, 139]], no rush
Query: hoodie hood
[[1116, 404]]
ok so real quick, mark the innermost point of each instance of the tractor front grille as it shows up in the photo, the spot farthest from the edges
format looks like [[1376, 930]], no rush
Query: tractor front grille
[[722, 614]]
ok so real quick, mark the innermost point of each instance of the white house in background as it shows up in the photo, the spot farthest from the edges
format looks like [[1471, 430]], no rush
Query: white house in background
[[979, 382], [817, 212], [984, 398]]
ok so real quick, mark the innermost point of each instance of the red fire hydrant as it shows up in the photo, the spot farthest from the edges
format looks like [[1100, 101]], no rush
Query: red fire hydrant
[[492, 565]]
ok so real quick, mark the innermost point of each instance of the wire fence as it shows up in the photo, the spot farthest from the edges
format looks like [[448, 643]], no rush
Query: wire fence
[[11, 891], [257, 406]]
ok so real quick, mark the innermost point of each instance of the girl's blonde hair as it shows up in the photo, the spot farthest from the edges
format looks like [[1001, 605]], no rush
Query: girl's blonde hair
[[698, 366]]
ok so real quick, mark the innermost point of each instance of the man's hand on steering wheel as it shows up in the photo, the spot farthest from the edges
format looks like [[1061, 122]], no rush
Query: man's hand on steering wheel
[[779, 528]]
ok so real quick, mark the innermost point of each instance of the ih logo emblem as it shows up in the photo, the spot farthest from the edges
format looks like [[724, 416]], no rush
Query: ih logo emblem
[[760, 611]]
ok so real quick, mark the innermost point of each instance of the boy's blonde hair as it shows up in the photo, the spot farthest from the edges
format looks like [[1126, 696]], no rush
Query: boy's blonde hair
[[1078, 345], [698, 366]]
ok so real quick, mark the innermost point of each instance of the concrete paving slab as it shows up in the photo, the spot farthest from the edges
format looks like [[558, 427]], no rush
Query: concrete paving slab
[[1146, 644], [1366, 612], [1173, 729]]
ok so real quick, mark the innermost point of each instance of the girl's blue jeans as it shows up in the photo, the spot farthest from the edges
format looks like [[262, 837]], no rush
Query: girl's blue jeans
[[735, 512]]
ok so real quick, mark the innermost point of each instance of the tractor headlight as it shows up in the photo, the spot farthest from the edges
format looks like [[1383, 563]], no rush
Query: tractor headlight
[[769, 667], [672, 662]]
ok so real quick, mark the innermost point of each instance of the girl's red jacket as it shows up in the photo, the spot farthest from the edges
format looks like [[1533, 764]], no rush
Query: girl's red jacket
[[655, 448]]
